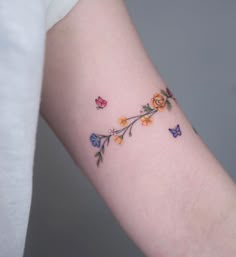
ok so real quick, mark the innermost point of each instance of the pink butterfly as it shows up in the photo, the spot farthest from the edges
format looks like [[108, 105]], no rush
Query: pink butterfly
[[101, 103]]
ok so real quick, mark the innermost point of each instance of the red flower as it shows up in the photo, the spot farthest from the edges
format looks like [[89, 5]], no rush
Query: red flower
[[101, 103]]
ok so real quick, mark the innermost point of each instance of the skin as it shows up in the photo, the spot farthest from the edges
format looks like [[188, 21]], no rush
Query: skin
[[170, 195]]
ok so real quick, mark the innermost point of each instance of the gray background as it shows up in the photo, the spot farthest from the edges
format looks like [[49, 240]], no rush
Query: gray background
[[193, 45]]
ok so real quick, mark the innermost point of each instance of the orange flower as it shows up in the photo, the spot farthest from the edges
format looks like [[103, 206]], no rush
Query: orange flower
[[146, 120], [118, 139], [123, 121], [158, 102]]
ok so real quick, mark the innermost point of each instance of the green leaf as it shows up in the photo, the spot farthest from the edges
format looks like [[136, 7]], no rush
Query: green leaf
[[164, 92], [144, 108], [101, 159], [103, 149], [168, 105], [130, 131], [98, 162], [150, 108], [108, 140], [147, 107], [97, 154]]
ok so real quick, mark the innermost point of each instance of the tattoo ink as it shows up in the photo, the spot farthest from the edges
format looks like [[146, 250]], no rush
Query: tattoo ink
[[175, 131], [158, 103], [101, 103]]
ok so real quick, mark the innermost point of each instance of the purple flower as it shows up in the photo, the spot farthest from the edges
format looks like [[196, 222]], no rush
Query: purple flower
[[95, 140]]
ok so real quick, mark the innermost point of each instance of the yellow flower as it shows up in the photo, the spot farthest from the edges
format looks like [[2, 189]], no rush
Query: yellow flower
[[158, 102], [146, 120], [118, 139], [123, 121]]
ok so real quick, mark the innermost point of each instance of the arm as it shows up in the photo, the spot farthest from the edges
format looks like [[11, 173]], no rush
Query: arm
[[170, 194]]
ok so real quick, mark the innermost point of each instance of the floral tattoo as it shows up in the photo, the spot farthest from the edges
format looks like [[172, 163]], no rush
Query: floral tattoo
[[159, 102]]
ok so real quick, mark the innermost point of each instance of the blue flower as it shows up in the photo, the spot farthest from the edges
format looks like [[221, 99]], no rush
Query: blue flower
[[95, 140]]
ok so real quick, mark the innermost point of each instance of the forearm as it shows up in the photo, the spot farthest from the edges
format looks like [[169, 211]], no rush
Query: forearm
[[170, 194]]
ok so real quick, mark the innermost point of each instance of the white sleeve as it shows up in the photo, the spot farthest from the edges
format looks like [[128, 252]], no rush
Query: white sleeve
[[22, 38], [22, 47], [56, 10]]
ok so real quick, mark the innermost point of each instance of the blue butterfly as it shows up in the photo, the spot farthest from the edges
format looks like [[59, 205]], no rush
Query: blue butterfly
[[176, 131]]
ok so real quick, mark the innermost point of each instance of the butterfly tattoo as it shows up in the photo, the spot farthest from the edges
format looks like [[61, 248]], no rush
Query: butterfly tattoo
[[176, 131], [101, 103]]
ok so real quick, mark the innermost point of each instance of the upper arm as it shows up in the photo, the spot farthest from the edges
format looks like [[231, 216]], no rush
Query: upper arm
[[97, 52], [160, 179]]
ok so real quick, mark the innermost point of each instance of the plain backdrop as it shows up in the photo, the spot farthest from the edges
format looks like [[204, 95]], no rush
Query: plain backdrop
[[193, 45]]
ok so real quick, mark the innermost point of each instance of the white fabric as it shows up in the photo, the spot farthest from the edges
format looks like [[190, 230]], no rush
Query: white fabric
[[56, 10], [23, 26]]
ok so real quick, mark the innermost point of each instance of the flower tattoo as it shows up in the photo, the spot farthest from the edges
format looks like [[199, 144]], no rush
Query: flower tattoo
[[158, 103], [95, 140]]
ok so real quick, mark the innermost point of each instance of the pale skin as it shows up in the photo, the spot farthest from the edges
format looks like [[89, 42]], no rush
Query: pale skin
[[170, 195]]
